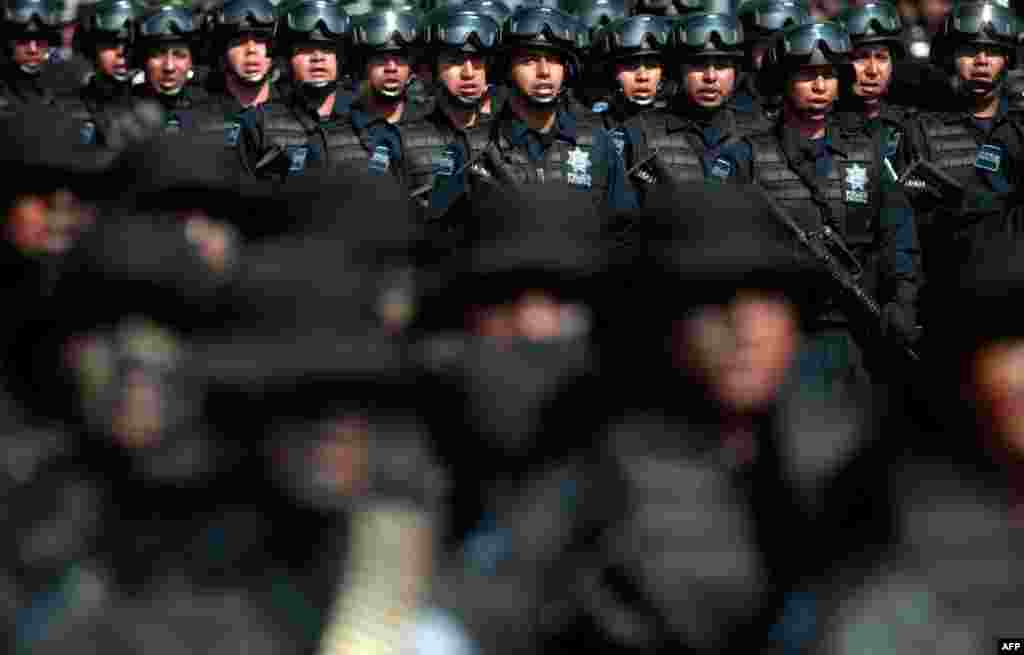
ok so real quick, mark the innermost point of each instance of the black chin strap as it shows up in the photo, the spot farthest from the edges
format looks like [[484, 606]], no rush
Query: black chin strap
[[316, 95]]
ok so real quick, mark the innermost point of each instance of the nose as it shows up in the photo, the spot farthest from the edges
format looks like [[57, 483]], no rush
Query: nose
[[981, 59], [316, 55], [391, 64], [467, 69], [249, 45], [642, 73], [167, 64], [543, 67], [32, 46], [119, 50], [710, 74], [872, 67], [818, 86]]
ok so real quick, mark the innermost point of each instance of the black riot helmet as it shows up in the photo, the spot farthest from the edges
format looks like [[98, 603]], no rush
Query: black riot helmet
[[596, 14], [459, 30], [876, 23], [549, 29], [763, 19], [233, 19], [111, 21], [496, 9], [984, 23], [643, 36], [811, 44], [319, 21], [166, 24], [387, 31], [31, 19]]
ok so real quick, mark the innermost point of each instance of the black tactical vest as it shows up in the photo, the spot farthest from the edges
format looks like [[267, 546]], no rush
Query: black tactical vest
[[848, 201], [580, 163]]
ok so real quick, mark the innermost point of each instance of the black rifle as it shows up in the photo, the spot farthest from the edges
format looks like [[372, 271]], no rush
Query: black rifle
[[820, 245], [970, 206]]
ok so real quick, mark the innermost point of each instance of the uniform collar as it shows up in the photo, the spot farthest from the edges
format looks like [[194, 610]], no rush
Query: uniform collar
[[795, 143], [515, 130]]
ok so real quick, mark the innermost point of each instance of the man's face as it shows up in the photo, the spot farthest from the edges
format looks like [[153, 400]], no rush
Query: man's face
[[710, 81], [998, 382], [388, 73], [813, 90], [873, 68], [463, 74], [742, 350], [111, 60], [247, 56], [538, 73], [639, 78], [31, 54], [167, 67], [315, 62], [979, 66], [535, 314]]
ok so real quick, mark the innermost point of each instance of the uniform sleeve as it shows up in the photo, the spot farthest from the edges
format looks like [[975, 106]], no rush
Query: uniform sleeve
[[619, 198], [900, 270]]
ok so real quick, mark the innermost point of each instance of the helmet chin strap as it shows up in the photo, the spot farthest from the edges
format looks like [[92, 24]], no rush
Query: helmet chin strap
[[461, 102], [317, 92], [393, 96]]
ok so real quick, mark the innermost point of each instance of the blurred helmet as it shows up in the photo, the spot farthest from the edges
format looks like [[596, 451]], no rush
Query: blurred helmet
[[457, 28], [387, 31], [33, 17], [763, 18], [633, 37], [168, 23], [236, 17], [979, 23], [875, 23], [322, 21], [704, 34]]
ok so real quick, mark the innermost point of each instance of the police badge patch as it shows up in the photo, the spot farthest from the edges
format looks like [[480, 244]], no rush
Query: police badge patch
[[297, 158], [989, 157], [231, 134], [721, 168], [856, 183], [444, 162], [580, 166], [380, 161], [87, 133]]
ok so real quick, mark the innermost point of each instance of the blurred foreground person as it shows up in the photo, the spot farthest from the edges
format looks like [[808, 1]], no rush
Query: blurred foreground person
[[953, 581], [706, 462]]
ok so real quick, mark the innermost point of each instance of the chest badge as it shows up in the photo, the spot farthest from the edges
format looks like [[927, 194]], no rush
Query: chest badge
[[297, 158], [579, 173], [87, 133], [856, 183], [231, 134], [989, 158], [444, 163], [721, 168], [380, 161]]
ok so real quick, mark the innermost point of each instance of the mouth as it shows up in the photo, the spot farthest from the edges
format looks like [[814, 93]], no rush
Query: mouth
[[470, 90], [544, 89]]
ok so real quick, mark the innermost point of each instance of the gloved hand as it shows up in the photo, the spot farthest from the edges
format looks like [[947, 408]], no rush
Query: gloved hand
[[899, 320], [144, 121]]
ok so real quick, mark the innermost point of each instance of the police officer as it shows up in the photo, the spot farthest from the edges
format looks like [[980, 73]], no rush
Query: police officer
[[386, 47], [827, 178], [976, 142], [631, 54], [242, 38], [499, 11], [594, 15], [165, 50], [445, 148], [306, 128], [535, 138], [29, 27], [762, 20], [699, 138], [106, 38]]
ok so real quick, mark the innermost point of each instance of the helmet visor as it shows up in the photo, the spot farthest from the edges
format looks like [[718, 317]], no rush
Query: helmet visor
[[877, 20], [556, 25], [114, 17], [805, 39], [308, 16], [641, 32], [376, 30], [710, 29], [984, 19], [171, 21], [776, 16], [601, 13], [25, 13], [458, 29], [247, 12]]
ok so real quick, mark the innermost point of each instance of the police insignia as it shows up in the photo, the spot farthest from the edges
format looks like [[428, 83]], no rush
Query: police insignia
[[856, 184], [579, 164], [988, 158], [297, 158], [619, 139], [87, 133], [444, 163], [721, 168], [380, 161], [599, 107], [173, 125], [231, 134]]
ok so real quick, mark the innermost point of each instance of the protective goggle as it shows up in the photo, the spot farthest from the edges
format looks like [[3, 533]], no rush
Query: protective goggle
[[377, 30], [640, 32], [169, 21], [25, 12], [306, 17], [805, 39], [701, 30], [497, 10], [776, 16], [601, 13], [981, 18], [531, 22], [246, 12], [456, 30], [877, 19], [115, 17]]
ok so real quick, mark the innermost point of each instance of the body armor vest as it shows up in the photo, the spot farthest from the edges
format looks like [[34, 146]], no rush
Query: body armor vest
[[306, 142], [430, 156], [846, 201], [95, 107], [580, 163]]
